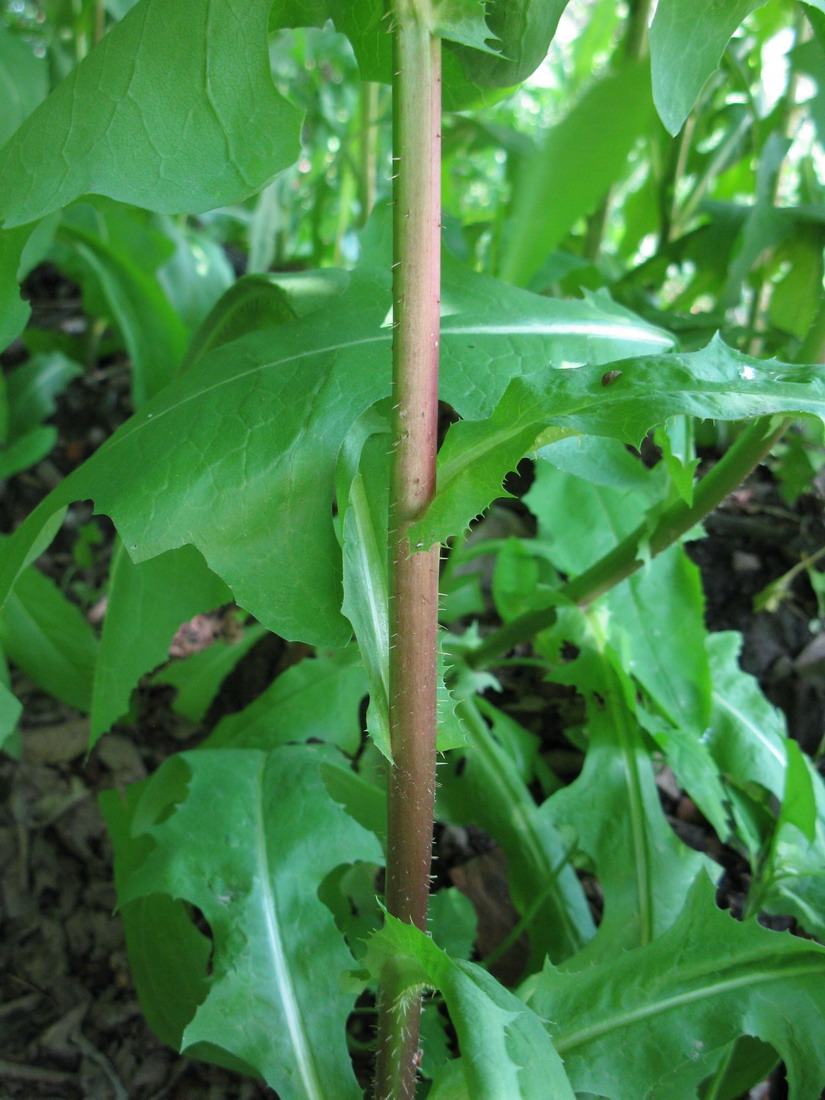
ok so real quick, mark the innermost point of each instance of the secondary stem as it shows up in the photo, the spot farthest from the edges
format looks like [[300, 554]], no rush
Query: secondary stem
[[746, 453], [414, 587]]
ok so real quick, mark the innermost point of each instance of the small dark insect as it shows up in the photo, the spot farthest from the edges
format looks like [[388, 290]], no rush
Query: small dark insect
[[610, 377]]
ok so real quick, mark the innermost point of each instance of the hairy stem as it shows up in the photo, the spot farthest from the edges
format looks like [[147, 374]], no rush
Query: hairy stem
[[414, 587]]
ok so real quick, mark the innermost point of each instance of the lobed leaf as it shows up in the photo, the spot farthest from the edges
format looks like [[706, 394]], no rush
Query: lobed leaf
[[506, 1052], [624, 404], [524, 30], [248, 846], [655, 1021], [643, 869], [237, 457]]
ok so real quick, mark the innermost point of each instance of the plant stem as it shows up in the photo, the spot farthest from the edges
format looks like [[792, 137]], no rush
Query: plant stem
[[414, 585], [748, 450]]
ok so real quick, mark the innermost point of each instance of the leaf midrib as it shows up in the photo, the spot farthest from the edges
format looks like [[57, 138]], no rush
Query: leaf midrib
[[664, 1004], [293, 1016]]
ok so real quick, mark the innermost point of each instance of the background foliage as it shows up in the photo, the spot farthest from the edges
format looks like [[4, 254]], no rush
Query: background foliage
[[633, 268]]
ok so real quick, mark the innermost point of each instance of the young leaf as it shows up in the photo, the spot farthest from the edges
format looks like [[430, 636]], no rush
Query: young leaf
[[644, 870], [687, 39], [486, 789], [655, 1021], [14, 312], [199, 676], [580, 159], [506, 1052], [147, 604], [463, 21], [31, 391], [660, 613], [121, 248], [220, 142], [363, 496], [10, 710], [249, 853], [49, 639], [317, 699]]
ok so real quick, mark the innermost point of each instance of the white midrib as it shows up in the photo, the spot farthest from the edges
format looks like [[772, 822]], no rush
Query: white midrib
[[757, 733], [654, 1007], [293, 1015], [617, 329]]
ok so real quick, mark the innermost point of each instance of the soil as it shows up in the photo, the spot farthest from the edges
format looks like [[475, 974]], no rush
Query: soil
[[70, 1021]]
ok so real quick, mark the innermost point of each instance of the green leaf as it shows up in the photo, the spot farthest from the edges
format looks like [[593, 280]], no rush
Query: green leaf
[[238, 456], [660, 614], [230, 134], [199, 676], [624, 404], [524, 30], [48, 637], [168, 956], [791, 879], [28, 449], [248, 845], [587, 495], [687, 40], [486, 789], [10, 711], [746, 733], [264, 301], [120, 247], [644, 870], [463, 21], [34, 387], [506, 1052], [24, 82], [580, 159], [316, 699], [655, 1021], [453, 922], [147, 604], [364, 493], [195, 275], [14, 312]]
